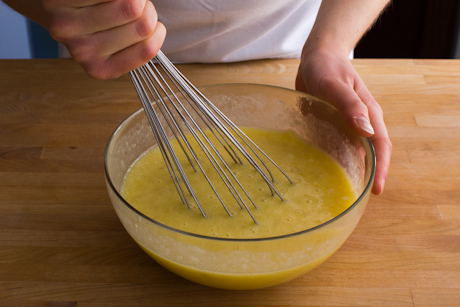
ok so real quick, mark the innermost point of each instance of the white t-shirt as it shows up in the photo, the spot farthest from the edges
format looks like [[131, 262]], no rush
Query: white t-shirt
[[211, 31]]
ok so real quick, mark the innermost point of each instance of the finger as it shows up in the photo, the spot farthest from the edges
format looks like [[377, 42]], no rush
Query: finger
[[349, 104], [364, 115], [71, 4], [72, 23], [105, 43], [107, 15], [383, 150], [381, 140], [129, 58]]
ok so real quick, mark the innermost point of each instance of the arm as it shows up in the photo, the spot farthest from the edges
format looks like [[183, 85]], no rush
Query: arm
[[106, 37], [326, 72], [341, 24]]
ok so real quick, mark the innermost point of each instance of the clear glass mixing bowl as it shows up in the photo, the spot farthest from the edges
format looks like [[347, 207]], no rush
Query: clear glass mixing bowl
[[247, 263]]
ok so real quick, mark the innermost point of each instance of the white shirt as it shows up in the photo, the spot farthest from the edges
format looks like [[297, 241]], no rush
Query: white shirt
[[210, 31]]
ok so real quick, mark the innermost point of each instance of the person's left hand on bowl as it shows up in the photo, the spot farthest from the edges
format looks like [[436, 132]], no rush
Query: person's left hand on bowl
[[333, 79]]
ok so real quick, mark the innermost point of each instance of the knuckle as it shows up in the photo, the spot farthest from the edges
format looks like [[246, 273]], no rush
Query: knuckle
[[51, 5], [96, 70], [377, 109], [384, 142], [145, 27], [374, 107], [388, 144], [151, 11], [149, 50], [132, 9], [80, 55], [81, 51], [77, 50], [63, 26], [59, 29]]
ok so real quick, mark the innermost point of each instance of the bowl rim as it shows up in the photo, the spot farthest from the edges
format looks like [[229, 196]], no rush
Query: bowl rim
[[355, 203]]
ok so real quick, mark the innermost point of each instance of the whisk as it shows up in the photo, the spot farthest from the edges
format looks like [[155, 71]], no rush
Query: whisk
[[159, 81]]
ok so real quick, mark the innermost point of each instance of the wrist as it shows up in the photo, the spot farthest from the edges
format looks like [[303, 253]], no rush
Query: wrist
[[326, 44]]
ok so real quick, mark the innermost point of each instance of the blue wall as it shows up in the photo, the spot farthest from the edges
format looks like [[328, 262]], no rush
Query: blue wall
[[14, 39], [21, 38]]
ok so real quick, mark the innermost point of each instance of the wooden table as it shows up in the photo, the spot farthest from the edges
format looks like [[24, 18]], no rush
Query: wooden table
[[61, 243]]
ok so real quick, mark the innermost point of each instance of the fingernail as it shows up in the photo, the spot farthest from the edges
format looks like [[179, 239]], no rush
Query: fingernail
[[364, 124], [382, 185]]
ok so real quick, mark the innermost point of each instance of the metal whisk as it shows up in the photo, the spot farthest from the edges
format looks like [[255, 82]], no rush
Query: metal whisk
[[159, 78]]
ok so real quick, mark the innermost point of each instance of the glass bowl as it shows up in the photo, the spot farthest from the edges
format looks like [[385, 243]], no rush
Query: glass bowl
[[247, 263]]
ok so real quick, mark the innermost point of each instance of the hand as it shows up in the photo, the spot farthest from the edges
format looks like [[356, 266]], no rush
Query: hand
[[106, 37], [331, 77]]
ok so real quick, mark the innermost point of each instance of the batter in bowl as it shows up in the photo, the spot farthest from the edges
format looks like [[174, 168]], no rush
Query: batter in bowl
[[321, 191]]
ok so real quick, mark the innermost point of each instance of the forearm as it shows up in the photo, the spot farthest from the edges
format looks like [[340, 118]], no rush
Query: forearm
[[341, 24], [32, 9]]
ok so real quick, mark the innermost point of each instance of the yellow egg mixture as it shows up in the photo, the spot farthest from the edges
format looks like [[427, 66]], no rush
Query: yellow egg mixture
[[320, 190]]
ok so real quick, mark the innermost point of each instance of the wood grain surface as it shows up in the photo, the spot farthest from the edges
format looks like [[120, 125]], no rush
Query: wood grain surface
[[62, 245]]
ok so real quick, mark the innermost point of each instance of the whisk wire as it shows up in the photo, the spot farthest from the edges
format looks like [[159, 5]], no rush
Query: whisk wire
[[152, 118], [245, 139], [209, 155], [155, 93], [199, 99], [177, 76], [221, 139], [214, 120], [159, 99]]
